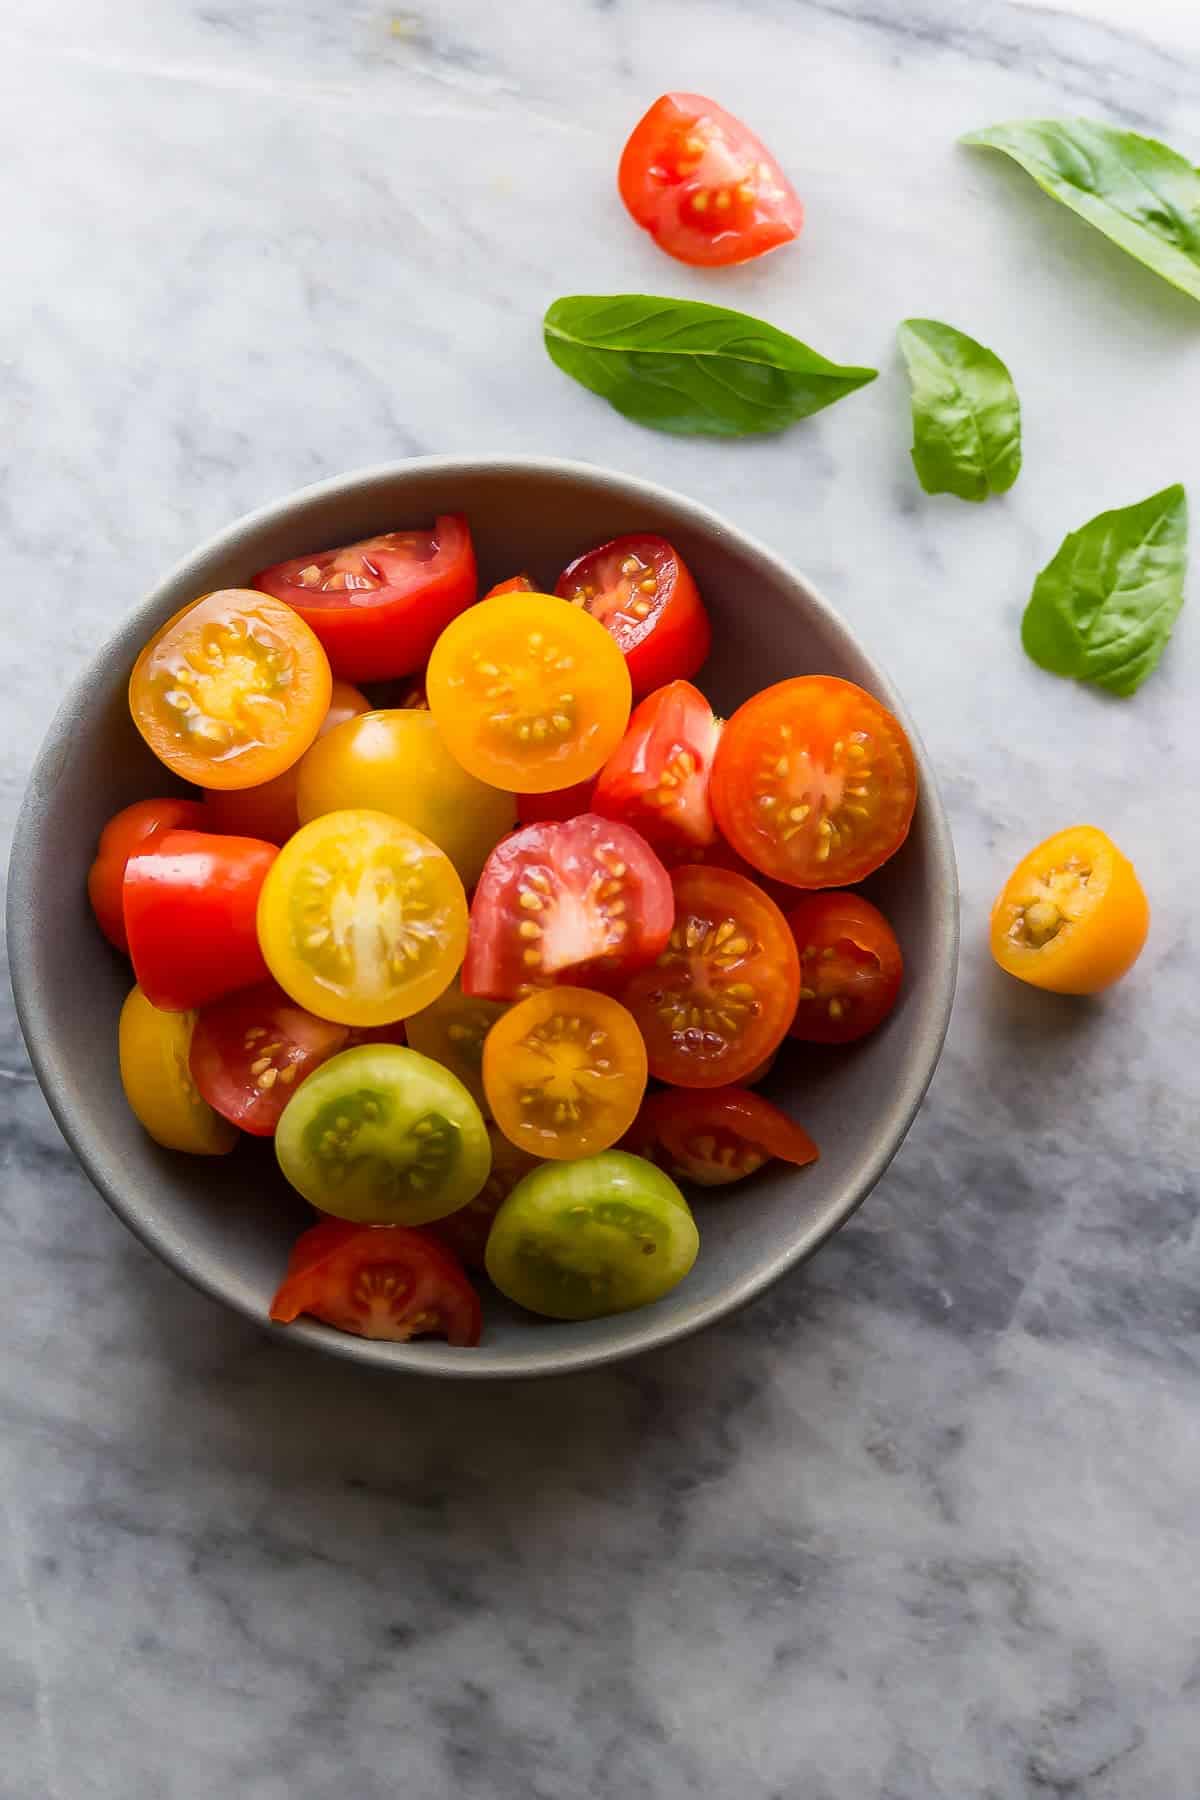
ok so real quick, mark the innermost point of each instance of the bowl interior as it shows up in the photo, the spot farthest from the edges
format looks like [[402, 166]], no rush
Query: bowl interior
[[228, 1224]]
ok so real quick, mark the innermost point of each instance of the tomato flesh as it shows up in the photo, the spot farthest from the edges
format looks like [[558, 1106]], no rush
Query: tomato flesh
[[584, 1239], [642, 592], [704, 186], [717, 1136], [190, 901], [814, 782], [850, 968], [721, 996], [154, 1047], [657, 779], [379, 605], [516, 584], [384, 1282], [564, 1072], [466, 1231], [250, 1052], [131, 830], [578, 899], [1073, 916]]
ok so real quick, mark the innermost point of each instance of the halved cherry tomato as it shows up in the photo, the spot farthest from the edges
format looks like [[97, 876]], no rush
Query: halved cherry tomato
[[1073, 916], [386, 1282], [158, 1084], [850, 968], [658, 776], [721, 996], [269, 810], [452, 1030], [716, 1136], [396, 761], [531, 695], [582, 898], [564, 1072], [134, 828], [706, 189], [379, 605], [362, 919], [516, 584], [251, 1050], [190, 901], [231, 690], [465, 1232], [563, 803], [641, 591], [814, 782]]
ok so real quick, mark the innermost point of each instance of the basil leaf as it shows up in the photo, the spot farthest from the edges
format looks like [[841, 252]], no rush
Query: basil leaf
[[966, 415], [1103, 608], [1138, 192], [690, 368]]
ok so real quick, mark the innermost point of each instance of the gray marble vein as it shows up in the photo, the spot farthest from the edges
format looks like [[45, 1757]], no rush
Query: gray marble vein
[[920, 1525]]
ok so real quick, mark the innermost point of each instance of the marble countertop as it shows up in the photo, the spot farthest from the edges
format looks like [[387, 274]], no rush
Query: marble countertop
[[921, 1523]]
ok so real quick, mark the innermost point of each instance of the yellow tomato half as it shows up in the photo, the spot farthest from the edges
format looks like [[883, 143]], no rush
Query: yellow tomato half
[[1072, 916], [154, 1048]]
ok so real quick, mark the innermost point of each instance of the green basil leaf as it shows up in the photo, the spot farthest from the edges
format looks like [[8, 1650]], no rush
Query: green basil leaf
[[1138, 192], [686, 367], [966, 415], [1103, 608]]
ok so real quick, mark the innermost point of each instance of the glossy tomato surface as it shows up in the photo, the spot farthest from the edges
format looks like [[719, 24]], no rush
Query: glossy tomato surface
[[657, 779], [1073, 916], [134, 828], [250, 1051], [379, 605], [581, 898], [153, 1047], [716, 1136], [269, 809], [564, 1072], [814, 782], [850, 967], [642, 592], [704, 186], [190, 902], [387, 1282]]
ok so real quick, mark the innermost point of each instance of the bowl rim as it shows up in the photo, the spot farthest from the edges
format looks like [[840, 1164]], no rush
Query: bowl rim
[[431, 1357]]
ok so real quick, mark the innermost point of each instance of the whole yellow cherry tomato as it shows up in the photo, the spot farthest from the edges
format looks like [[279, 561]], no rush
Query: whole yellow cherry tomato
[[1072, 916], [154, 1048]]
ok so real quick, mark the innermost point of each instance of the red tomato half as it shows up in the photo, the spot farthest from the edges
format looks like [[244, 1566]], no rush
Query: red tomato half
[[133, 829], [379, 606], [565, 901], [642, 592], [706, 189], [717, 1135], [850, 968], [657, 778], [190, 906], [516, 584], [252, 1050], [564, 803], [378, 1281]]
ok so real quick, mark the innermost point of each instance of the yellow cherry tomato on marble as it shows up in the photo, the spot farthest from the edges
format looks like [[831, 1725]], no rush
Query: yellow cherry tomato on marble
[[1072, 917]]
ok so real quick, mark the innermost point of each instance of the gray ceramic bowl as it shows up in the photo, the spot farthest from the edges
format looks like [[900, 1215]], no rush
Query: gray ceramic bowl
[[227, 1226]]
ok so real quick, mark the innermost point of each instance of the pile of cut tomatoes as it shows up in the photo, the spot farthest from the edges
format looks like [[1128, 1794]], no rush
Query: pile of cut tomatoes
[[497, 955]]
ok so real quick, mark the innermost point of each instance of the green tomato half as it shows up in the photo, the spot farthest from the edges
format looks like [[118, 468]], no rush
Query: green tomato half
[[579, 1240], [384, 1136]]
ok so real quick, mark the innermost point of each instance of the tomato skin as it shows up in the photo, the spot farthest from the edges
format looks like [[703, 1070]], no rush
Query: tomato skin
[[716, 1136], [466, 1231], [562, 804], [814, 782], [251, 1050], [190, 902], [415, 596], [388, 1282], [153, 1048], [134, 828], [850, 967], [564, 1072], [657, 779], [269, 810], [1072, 918], [516, 584], [660, 628], [732, 960], [565, 901], [706, 189]]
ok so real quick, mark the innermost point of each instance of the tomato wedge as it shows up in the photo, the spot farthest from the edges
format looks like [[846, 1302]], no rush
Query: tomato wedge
[[575, 899], [133, 829], [379, 605], [269, 810], [251, 1050], [378, 1281], [642, 592], [704, 186], [716, 1136], [1073, 916], [190, 902], [657, 779], [814, 782], [516, 584], [721, 996], [564, 1072], [850, 968], [466, 1231]]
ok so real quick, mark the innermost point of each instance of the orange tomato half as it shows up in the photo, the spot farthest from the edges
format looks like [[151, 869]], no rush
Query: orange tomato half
[[1072, 917]]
